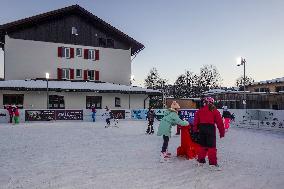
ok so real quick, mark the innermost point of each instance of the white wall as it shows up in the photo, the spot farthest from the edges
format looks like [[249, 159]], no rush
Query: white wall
[[26, 59], [38, 100]]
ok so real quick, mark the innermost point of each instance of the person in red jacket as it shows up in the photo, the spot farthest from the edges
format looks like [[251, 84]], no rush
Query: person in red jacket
[[204, 123]]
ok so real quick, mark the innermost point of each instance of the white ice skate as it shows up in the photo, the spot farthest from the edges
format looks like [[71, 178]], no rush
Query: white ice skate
[[215, 168], [164, 158]]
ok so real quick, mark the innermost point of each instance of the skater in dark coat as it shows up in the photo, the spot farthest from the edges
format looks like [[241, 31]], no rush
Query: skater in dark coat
[[10, 111], [151, 118], [204, 123]]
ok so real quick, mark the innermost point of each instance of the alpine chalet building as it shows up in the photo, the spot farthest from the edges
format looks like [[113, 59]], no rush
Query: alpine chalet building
[[88, 61]]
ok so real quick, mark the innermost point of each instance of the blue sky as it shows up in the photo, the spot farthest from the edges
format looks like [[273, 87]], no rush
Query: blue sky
[[186, 34]]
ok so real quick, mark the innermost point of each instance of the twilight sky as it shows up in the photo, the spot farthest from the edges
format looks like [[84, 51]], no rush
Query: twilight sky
[[185, 34]]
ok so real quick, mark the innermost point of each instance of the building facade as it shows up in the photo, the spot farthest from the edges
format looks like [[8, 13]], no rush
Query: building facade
[[88, 61]]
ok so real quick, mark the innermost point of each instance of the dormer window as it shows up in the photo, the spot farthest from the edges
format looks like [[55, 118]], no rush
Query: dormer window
[[74, 31]]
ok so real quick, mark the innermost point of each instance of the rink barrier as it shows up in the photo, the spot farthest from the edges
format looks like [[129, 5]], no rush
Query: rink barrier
[[249, 118]]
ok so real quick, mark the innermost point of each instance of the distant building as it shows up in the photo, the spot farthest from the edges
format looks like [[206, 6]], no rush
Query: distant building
[[88, 60], [259, 95], [274, 85]]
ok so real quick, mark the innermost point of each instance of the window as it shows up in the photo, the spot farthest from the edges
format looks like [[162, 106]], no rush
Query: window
[[117, 102], [79, 52], [279, 88], [74, 31], [91, 74], [91, 54], [65, 73], [78, 73], [66, 52], [102, 42], [110, 43], [261, 90], [94, 100], [56, 102], [10, 99]]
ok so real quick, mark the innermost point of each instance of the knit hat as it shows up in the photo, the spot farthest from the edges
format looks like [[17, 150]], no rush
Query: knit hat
[[175, 105]]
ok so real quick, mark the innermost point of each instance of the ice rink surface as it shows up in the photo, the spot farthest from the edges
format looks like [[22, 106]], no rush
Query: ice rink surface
[[74, 155]]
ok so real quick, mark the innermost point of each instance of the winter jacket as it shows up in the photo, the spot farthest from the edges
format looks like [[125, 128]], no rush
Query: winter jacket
[[170, 119], [151, 115], [226, 114], [16, 112], [206, 117], [107, 114], [94, 110], [10, 110]]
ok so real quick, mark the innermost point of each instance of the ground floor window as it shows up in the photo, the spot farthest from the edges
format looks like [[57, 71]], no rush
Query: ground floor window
[[94, 100], [117, 102], [13, 99], [56, 102]]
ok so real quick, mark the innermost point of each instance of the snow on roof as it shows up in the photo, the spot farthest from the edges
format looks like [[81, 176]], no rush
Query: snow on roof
[[277, 80], [69, 85]]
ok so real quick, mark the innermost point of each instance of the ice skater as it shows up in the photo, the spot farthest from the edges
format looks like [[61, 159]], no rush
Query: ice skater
[[227, 118], [204, 123], [94, 111], [107, 116], [151, 118], [170, 119]]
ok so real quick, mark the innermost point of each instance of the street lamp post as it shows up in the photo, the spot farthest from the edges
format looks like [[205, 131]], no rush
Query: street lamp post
[[131, 80], [242, 61], [47, 95]]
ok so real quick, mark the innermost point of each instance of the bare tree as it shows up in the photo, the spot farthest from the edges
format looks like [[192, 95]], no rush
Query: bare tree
[[240, 81], [209, 78]]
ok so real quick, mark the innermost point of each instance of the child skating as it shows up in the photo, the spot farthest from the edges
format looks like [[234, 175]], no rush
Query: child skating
[[204, 123], [170, 119], [107, 116], [151, 117]]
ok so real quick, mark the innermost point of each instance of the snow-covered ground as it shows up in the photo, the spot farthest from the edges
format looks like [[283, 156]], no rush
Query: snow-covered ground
[[86, 155]]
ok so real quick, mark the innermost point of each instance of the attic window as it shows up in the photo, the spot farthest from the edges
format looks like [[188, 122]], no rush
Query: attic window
[[74, 31]]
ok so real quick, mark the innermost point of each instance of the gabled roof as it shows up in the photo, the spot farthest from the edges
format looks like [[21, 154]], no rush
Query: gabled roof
[[16, 25]]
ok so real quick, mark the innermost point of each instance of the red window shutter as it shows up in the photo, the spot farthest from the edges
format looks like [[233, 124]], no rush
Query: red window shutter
[[59, 73], [97, 54], [97, 75], [71, 52], [59, 51], [85, 74], [86, 53], [71, 73]]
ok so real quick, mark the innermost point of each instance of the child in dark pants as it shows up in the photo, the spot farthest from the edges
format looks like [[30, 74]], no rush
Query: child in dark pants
[[204, 123], [170, 119], [151, 117]]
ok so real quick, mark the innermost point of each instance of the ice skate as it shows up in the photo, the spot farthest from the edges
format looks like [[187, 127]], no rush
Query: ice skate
[[147, 131], [164, 158], [215, 168]]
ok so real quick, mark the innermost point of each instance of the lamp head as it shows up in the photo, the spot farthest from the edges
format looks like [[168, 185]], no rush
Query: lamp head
[[241, 61], [47, 75]]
